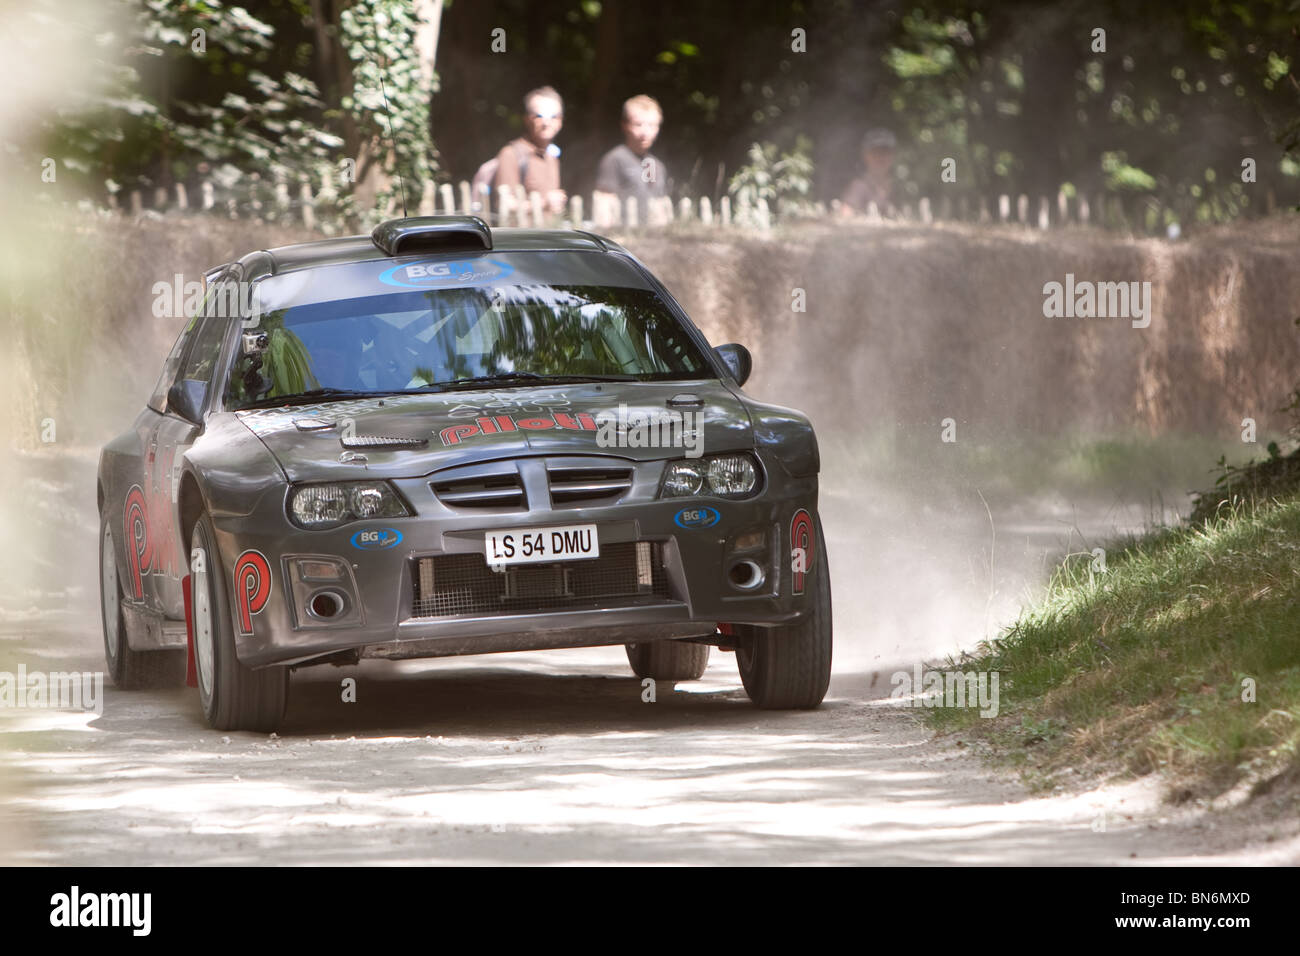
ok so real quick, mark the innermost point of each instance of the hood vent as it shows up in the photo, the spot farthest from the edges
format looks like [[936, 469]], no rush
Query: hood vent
[[382, 441]]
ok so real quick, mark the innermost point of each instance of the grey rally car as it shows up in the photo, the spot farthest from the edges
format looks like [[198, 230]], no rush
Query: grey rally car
[[442, 439]]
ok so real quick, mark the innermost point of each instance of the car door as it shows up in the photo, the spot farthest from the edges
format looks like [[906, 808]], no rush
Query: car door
[[172, 435]]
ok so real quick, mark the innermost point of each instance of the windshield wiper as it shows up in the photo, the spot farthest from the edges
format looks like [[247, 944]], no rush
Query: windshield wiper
[[317, 395], [528, 378]]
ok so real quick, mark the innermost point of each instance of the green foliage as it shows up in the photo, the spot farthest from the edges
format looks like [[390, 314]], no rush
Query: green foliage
[[1121, 176], [190, 90], [1166, 112], [1177, 90], [379, 38], [201, 89], [784, 180]]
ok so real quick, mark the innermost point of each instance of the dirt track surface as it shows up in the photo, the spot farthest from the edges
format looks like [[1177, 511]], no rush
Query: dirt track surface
[[553, 757], [543, 758]]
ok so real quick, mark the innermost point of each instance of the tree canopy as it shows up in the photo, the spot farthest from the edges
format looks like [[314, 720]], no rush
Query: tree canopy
[[1170, 99]]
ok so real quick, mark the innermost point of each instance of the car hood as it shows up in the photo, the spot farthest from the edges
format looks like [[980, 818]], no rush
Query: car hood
[[365, 436]]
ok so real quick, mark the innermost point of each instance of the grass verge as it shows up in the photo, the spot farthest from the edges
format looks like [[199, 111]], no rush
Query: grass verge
[[1152, 663]]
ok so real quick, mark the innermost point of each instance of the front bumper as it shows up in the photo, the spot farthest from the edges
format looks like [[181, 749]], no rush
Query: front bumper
[[694, 590]]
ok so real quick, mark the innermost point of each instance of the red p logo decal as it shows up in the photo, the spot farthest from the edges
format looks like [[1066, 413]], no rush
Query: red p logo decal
[[802, 542], [139, 549], [252, 587]]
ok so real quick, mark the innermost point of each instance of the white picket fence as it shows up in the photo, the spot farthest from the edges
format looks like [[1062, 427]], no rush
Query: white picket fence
[[277, 202]]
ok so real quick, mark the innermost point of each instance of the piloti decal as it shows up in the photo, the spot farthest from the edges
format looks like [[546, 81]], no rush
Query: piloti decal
[[252, 587], [494, 424], [802, 544]]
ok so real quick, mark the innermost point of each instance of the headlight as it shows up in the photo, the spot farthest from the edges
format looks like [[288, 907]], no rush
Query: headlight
[[337, 503], [724, 476]]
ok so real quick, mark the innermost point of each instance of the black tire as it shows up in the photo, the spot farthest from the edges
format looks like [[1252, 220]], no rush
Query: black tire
[[128, 669], [233, 697], [668, 660], [789, 667]]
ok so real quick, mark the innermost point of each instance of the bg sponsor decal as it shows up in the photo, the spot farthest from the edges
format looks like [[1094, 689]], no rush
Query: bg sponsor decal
[[801, 547], [376, 539], [492, 425], [697, 517], [252, 587], [422, 275]]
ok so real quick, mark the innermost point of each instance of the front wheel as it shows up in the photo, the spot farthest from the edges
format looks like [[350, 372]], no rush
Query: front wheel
[[789, 667], [234, 697]]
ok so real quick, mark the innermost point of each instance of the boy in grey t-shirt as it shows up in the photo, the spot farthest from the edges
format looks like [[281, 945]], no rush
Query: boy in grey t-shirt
[[631, 169]]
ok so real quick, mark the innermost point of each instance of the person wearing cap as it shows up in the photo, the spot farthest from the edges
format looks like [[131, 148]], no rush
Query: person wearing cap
[[875, 184], [533, 159]]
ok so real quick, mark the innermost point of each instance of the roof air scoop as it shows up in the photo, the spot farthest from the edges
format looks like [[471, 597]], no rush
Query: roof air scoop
[[417, 234]]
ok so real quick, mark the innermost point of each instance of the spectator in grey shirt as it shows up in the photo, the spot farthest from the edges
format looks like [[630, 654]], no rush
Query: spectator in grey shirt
[[631, 169]]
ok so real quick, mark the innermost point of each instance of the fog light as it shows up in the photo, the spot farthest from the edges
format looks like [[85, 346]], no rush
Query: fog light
[[320, 571], [324, 591], [749, 542]]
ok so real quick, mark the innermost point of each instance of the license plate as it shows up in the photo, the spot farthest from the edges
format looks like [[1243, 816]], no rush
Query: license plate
[[533, 545]]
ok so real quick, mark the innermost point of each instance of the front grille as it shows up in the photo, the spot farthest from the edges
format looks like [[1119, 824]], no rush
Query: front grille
[[627, 573], [573, 485], [486, 491]]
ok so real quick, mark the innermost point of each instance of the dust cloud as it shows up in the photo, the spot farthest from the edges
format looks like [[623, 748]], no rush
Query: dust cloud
[[1062, 435]]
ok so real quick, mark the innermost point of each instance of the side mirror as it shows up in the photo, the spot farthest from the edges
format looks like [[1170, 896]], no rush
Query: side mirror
[[737, 359], [185, 398]]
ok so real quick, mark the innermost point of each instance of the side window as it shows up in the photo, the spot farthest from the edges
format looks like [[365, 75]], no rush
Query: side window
[[201, 361], [180, 351], [158, 400], [207, 349]]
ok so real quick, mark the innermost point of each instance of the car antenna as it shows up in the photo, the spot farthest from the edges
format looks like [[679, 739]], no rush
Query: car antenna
[[397, 159]]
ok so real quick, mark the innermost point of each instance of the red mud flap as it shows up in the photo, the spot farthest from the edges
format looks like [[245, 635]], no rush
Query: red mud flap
[[191, 675]]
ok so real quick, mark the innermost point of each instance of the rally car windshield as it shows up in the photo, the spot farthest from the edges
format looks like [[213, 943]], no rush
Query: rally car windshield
[[445, 338]]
